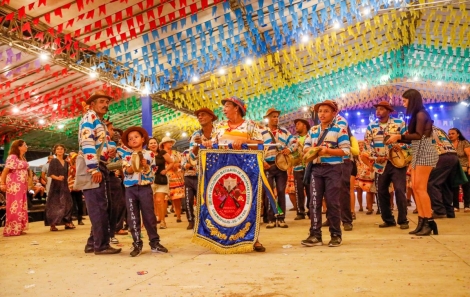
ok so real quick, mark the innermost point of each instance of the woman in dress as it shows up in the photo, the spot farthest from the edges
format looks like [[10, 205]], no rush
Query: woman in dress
[[462, 146], [160, 187], [14, 181], [237, 131], [59, 200], [425, 158], [175, 176]]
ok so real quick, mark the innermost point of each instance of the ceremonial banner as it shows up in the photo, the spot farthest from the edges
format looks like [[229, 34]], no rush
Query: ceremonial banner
[[229, 200]]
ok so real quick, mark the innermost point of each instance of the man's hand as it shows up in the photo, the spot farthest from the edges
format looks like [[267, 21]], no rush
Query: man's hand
[[393, 139], [237, 145], [112, 153], [285, 151], [198, 139], [97, 177], [266, 166], [381, 159], [323, 151], [207, 144]]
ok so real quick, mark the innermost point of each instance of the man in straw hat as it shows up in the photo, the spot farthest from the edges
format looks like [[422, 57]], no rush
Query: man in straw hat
[[138, 178], [302, 127], [278, 135], [206, 119], [94, 135], [326, 170], [385, 171]]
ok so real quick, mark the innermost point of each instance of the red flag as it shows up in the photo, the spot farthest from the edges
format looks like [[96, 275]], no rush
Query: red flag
[[160, 9], [103, 45], [173, 4], [26, 27], [109, 21], [130, 23], [47, 16], [182, 3], [80, 5], [98, 35], [149, 3], [162, 21], [123, 37], [109, 31], [77, 33], [70, 23], [31, 6], [21, 12], [102, 9], [40, 36], [90, 14], [80, 17], [9, 16], [36, 21], [150, 15], [60, 28], [153, 25], [42, 2], [58, 12], [182, 12], [118, 27], [140, 19], [171, 16], [87, 28], [87, 39], [68, 38], [141, 5], [141, 28], [193, 8], [113, 41], [203, 4], [118, 16], [98, 24], [133, 33], [129, 11]]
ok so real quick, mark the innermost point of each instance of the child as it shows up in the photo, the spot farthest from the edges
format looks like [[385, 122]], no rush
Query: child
[[334, 141], [139, 195]]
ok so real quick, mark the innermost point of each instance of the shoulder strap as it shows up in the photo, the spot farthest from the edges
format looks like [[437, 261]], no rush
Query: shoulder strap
[[322, 137]]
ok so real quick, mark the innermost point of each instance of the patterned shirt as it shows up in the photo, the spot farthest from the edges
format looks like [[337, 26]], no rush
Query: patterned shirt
[[281, 136], [443, 144], [138, 178], [374, 139], [91, 134], [248, 130], [298, 145], [337, 138], [192, 171], [343, 123], [192, 143]]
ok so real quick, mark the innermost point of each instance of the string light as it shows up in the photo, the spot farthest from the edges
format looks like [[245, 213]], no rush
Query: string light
[[336, 25], [305, 38], [463, 87], [16, 110], [44, 57], [61, 126], [221, 71], [195, 78], [366, 11], [93, 74], [168, 134], [305, 108], [41, 121], [249, 61], [128, 89], [184, 134], [439, 83]]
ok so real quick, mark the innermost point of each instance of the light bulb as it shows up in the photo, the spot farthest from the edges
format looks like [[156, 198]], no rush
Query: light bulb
[[16, 110], [184, 134], [93, 74], [44, 56], [305, 108], [336, 25], [168, 134], [221, 71], [195, 78], [61, 126], [249, 61], [128, 89], [41, 122], [305, 38]]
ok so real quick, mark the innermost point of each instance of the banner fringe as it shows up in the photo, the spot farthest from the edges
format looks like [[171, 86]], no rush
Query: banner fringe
[[243, 248]]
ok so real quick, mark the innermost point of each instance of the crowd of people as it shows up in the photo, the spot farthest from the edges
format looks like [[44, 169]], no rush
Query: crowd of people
[[128, 178]]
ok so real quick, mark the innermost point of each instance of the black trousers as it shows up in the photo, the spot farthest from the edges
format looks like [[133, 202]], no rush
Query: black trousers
[[139, 199], [299, 192], [77, 198], [382, 183], [326, 182], [190, 187], [440, 179], [97, 205], [117, 203], [274, 174], [345, 197]]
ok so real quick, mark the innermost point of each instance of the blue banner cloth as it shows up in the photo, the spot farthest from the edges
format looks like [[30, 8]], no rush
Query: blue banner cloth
[[229, 199]]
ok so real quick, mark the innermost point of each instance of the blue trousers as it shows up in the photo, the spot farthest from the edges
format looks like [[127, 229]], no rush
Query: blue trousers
[[190, 187], [139, 199], [97, 205], [326, 182], [439, 184]]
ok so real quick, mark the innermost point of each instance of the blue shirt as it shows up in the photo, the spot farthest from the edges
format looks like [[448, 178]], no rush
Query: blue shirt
[[341, 121], [282, 136], [337, 138], [138, 178]]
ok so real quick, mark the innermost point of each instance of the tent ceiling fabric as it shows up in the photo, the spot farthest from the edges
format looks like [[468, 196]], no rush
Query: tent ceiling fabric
[[193, 53]]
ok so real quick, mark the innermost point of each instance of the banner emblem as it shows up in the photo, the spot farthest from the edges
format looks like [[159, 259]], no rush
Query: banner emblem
[[229, 196]]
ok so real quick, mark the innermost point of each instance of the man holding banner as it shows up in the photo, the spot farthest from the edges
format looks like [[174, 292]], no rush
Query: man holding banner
[[230, 181]]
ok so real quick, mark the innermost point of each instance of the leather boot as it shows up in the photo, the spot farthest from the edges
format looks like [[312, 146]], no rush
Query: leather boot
[[429, 225], [419, 227]]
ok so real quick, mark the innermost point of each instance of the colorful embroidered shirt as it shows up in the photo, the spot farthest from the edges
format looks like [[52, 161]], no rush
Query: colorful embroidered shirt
[[337, 138], [248, 130], [281, 136], [297, 148], [91, 134], [192, 143], [374, 139], [185, 159], [442, 142], [138, 178], [343, 123]]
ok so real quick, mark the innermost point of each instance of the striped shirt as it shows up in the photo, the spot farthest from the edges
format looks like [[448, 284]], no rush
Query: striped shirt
[[281, 136], [185, 160], [92, 132], [343, 123], [138, 178], [337, 138], [374, 139], [298, 144], [442, 142], [192, 143]]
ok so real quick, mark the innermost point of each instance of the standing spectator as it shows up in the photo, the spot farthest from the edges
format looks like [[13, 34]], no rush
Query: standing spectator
[[45, 180], [14, 181], [462, 146], [59, 202], [77, 195]]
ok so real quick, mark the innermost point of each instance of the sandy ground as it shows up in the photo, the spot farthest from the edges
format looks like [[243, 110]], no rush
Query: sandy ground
[[371, 262]]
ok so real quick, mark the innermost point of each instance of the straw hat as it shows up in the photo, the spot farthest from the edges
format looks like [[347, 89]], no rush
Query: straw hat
[[165, 140]]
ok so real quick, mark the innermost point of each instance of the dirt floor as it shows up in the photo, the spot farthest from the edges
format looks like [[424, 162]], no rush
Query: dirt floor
[[371, 262]]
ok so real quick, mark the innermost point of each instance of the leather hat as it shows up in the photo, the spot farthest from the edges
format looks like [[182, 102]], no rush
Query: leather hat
[[386, 105], [208, 111], [96, 95], [141, 130]]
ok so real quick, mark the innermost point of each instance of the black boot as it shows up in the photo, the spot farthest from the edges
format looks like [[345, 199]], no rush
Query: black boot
[[419, 227], [428, 226]]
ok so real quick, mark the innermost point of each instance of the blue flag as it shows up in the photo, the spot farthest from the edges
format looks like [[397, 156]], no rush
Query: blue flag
[[229, 200]]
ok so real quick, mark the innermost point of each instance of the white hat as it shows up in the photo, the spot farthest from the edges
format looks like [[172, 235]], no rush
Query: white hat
[[166, 139]]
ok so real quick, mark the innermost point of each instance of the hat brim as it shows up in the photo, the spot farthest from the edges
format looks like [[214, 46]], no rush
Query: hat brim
[[96, 96], [303, 121], [208, 111], [170, 140], [387, 107], [317, 106], [142, 132], [236, 103], [272, 111]]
